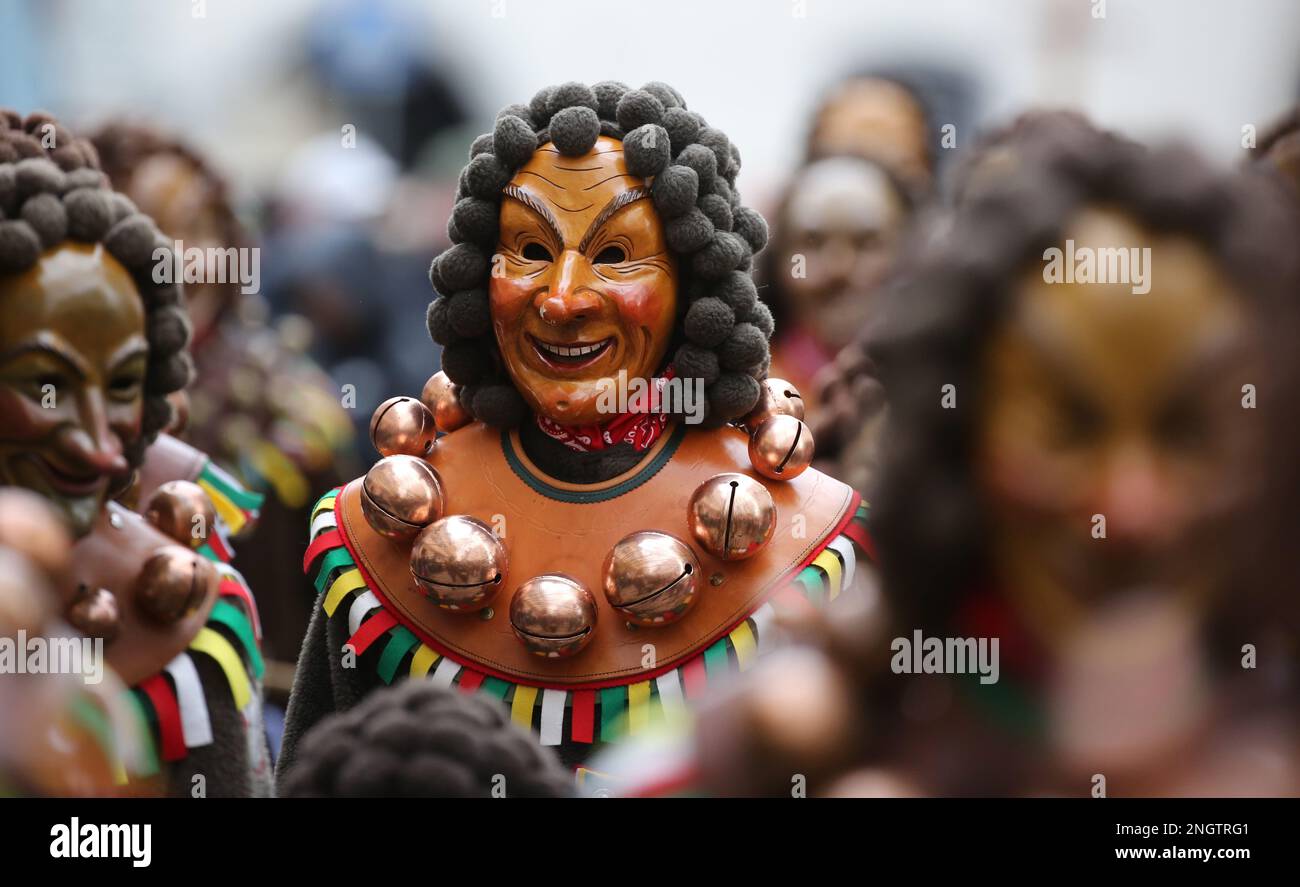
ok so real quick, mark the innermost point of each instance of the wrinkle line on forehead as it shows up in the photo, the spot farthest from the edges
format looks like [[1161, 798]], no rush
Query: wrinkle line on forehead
[[617, 175], [529, 172]]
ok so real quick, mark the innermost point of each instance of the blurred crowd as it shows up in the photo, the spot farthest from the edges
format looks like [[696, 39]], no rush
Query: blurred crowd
[[1103, 481]]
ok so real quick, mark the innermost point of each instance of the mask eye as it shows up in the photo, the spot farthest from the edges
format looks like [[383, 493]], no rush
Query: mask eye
[[535, 252], [611, 255]]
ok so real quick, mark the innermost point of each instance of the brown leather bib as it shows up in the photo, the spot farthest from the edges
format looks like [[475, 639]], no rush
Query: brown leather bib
[[553, 527], [111, 556]]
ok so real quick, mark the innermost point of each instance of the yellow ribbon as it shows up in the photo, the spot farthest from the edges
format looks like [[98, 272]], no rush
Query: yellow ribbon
[[831, 564], [742, 639], [347, 582], [213, 644], [638, 706], [521, 707], [229, 511], [422, 661]]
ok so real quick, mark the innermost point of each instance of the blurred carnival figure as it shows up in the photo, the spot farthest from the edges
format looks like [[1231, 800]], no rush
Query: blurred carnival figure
[[259, 405], [1103, 318], [1080, 562], [92, 348], [67, 732]]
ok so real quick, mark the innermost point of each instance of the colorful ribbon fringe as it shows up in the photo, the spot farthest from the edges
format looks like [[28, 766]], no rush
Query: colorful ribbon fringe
[[237, 508], [559, 716], [173, 703]]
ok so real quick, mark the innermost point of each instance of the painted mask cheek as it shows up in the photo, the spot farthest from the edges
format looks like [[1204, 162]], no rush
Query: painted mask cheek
[[24, 420], [644, 302], [508, 298]]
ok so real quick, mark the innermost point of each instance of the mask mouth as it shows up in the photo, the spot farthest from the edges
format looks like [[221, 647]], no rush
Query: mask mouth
[[69, 483], [570, 356]]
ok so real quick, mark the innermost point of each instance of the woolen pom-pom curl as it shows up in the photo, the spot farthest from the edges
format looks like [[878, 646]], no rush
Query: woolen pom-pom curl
[[674, 192], [646, 150], [709, 321], [574, 131]]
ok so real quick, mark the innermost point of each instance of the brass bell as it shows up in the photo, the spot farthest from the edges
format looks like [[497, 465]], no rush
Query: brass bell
[[651, 578], [781, 448], [402, 426], [553, 615], [439, 395], [400, 495], [459, 562], [31, 526], [182, 511], [94, 613], [173, 584], [776, 397], [731, 516]]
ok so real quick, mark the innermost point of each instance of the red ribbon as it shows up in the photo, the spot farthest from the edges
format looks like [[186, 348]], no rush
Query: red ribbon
[[163, 699]]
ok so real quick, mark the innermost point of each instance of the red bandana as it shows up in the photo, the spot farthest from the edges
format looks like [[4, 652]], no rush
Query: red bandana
[[640, 427]]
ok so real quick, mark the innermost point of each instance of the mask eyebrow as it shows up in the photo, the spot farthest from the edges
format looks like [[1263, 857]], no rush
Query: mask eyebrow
[[46, 343], [618, 202], [527, 199], [134, 348]]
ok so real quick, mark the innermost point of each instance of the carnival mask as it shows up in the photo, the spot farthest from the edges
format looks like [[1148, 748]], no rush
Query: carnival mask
[[1112, 439], [73, 357], [877, 119], [583, 286], [180, 198], [841, 228]]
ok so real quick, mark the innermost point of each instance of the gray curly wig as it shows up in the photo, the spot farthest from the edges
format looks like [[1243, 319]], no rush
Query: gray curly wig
[[722, 329], [53, 192]]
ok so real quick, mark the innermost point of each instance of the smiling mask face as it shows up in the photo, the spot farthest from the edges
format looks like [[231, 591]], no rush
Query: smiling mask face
[[585, 285], [72, 366]]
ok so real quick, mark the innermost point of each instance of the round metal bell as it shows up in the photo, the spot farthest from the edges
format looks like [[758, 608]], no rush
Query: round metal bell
[[173, 584], [31, 526], [182, 512], [776, 397], [731, 516], [402, 426], [651, 578], [553, 615], [781, 448], [439, 395], [459, 562], [95, 614], [400, 495]]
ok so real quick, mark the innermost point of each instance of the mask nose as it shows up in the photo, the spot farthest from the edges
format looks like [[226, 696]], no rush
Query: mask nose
[[91, 443], [1136, 499], [567, 300]]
